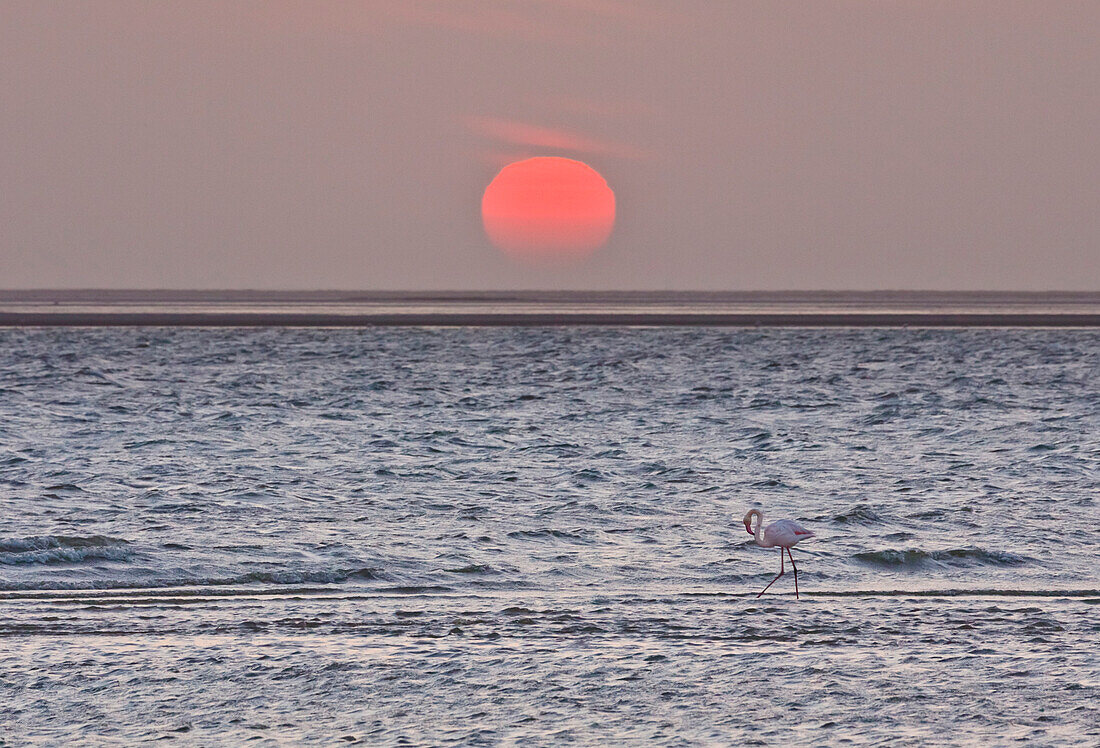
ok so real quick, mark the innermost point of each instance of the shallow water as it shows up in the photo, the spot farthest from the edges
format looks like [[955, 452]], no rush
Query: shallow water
[[461, 536]]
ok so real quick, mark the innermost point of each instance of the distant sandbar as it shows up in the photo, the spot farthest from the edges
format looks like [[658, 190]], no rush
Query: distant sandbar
[[93, 307]]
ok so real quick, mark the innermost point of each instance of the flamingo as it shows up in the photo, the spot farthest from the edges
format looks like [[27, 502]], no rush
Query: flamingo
[[784, 533]]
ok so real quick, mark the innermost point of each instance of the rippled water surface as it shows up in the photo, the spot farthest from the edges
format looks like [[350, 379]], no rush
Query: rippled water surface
[[533, 536]]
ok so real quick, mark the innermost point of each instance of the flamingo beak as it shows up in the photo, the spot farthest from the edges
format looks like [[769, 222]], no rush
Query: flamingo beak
[[747, 528]]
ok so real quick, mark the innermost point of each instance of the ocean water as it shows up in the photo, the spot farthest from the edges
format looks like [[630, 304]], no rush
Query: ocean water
[[482, 536]]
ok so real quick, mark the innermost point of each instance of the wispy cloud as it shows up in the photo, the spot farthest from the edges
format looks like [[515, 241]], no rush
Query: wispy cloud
[[526, 135], [632, 10], [559, 20], [493, 18], [584, 106]]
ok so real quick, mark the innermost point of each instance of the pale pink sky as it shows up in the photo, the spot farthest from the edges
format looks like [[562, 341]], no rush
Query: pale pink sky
[[765, 144]]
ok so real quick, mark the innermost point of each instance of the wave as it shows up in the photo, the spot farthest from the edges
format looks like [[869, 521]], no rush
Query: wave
[[274, 578], [914, 558], [149, 595], [47, 550], [860, 514], [333, 576], [1091, 596], [473, 569], [976, 592], [575, 536]]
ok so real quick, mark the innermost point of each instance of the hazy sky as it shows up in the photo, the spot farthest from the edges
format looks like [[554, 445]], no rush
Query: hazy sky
[[771, 144]]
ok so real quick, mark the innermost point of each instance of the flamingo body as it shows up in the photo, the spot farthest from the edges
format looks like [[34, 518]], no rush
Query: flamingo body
[[784, 533]]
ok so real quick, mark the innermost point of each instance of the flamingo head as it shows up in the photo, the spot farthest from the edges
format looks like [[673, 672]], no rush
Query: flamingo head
[[748, 523]]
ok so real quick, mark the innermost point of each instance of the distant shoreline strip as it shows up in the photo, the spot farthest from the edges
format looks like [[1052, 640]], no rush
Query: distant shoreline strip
[[542, 319]]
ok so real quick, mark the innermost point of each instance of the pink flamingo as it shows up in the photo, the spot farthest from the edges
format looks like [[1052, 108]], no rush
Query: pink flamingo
[[784, 533]]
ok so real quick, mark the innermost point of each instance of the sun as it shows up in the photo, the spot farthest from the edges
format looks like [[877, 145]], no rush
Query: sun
[[548, 208]]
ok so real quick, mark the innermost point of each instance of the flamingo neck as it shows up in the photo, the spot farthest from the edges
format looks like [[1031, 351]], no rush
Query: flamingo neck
[[758, 529]]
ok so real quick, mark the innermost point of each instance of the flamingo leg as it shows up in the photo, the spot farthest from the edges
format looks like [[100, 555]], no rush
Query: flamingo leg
[[780, 574], [795, 573]]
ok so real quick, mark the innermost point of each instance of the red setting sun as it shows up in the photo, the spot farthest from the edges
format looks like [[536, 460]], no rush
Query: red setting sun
[[548, 208]]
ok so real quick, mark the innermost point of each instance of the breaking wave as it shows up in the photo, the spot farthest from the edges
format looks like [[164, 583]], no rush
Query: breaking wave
[[860, 514], [914, 558], [47, 550]]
